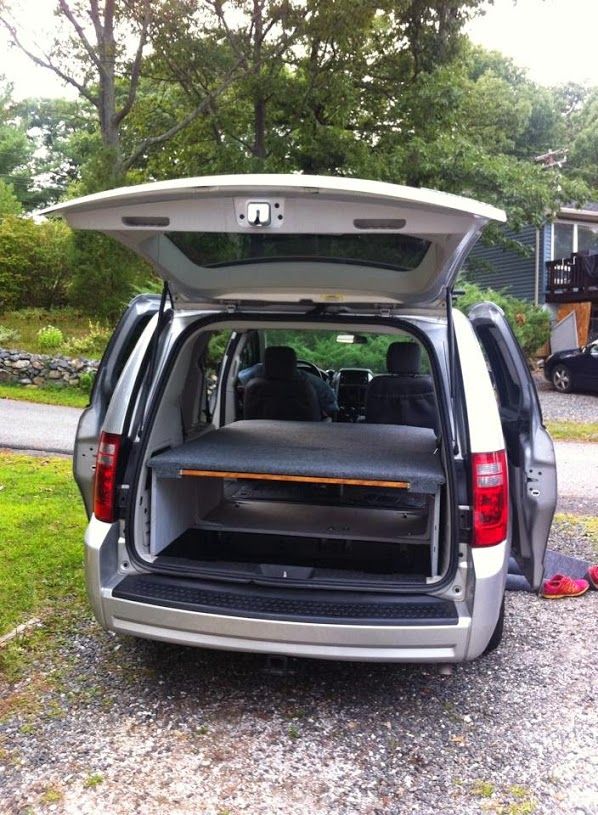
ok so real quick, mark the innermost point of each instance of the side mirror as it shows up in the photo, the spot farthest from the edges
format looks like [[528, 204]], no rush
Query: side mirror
[[593, 350]]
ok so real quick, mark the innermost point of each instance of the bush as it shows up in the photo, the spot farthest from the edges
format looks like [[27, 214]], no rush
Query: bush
[[105, 275], [35, 262], [49, 338], [92, 345], [8, 335], [530, 323], [86, 380]]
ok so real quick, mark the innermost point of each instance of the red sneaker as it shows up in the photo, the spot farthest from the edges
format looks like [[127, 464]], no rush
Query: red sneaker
[[592, 577], [563, 586]]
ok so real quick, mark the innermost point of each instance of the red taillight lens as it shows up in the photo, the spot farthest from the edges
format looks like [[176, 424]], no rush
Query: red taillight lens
[[104, 493], [490, 498]]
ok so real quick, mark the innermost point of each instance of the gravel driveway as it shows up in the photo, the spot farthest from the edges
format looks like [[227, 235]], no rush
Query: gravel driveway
[[571, 407], [111, 725], [114, 725]]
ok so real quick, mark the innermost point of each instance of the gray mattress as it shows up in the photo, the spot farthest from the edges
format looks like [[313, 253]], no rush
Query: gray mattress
[[316, 449]]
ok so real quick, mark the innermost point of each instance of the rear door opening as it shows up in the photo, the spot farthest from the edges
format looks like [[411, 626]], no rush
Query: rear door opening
[[331, 504]]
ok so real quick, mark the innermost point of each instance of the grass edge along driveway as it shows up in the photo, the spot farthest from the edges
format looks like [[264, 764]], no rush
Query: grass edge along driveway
[[41, 539], [67, 397]]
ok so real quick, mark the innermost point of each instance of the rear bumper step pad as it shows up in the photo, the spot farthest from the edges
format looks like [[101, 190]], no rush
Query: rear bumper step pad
[[270, 604]]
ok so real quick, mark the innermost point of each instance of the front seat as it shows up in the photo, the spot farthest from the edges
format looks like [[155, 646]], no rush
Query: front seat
[[281, 393], [404, 395]]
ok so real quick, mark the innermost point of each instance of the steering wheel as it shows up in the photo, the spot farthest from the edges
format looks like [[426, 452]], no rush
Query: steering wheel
[[303, 363]]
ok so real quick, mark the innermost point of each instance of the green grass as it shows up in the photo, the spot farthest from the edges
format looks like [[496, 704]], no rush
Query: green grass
[[71, 397], [573, 431], [41, 529], [28, 321]]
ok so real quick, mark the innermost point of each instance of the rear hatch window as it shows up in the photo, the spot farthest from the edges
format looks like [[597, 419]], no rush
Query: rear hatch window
[[390, 251]]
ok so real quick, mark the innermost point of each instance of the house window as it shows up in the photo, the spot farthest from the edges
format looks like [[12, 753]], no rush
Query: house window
[[562, 245], [587, 238], [571, 237]]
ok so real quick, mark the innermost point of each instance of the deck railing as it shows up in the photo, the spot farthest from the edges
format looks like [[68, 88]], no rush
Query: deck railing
[[572, 279]]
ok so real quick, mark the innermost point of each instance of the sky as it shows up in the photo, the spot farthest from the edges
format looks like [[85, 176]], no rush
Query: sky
[[555, 40]]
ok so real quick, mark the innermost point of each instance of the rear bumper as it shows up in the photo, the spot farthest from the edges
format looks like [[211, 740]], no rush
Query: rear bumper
[[463, 639], [318, 640]]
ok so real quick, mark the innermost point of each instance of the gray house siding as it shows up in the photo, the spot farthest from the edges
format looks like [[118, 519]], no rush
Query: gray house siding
[[502, 269], [545, 255]]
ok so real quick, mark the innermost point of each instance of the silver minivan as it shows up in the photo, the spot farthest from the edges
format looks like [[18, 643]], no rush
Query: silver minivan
[[301, 447]]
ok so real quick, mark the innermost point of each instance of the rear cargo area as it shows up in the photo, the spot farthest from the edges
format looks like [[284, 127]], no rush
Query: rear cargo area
[[322, 503]]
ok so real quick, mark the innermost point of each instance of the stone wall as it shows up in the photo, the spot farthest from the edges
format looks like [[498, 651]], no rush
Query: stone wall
[[39, 369]]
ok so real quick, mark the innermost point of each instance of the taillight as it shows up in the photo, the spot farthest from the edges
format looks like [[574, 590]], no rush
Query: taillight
[[104, 493], [490, 498]]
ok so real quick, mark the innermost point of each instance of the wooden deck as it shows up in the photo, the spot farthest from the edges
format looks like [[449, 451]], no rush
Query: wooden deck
[[572, 280]]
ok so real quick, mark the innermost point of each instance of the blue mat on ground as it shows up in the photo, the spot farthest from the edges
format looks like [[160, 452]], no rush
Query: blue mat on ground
[[554, 563]]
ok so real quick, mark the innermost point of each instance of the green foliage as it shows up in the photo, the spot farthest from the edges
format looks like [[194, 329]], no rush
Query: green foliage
[[92, 344], [9, 203], [530, 324], [28, 321], [322, 348], [64, 134], [216, 347], [15, 150], [49, 338], [86, 380], [583, 155], [104, 275], [35, 262], [347, 87], [8, 335]]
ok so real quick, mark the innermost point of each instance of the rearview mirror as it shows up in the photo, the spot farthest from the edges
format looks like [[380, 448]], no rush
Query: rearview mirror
[[352, 339]]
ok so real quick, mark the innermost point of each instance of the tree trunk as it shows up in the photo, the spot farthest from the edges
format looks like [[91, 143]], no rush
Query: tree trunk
[[259, 98]]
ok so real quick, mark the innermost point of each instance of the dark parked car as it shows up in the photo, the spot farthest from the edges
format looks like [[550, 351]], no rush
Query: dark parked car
[[575, 369]]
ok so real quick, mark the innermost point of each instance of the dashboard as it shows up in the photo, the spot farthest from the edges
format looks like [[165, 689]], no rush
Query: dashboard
[[350, 386]]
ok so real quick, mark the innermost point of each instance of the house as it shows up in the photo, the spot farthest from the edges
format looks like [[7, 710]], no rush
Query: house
[[560, 270]]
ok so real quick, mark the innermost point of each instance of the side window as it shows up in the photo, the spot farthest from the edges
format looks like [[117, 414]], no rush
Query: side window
[[250, 354], [211, 366], [503, 372]]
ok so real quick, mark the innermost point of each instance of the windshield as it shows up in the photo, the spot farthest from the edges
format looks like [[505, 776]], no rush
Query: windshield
[[323, 349], [393, 251]]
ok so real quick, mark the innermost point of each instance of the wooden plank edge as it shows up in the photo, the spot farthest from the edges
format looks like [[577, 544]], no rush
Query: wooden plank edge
[[304, 479]]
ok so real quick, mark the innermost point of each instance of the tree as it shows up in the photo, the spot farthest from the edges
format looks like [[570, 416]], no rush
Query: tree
[[64, 137], [583, 140], [35, 262], [102, 56], [15, 149]]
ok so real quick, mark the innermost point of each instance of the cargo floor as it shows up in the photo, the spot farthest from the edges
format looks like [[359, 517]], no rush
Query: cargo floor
[[269, 554]]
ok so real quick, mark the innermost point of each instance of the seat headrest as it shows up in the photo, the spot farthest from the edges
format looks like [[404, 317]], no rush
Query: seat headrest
[[280, 362], [403, 358]]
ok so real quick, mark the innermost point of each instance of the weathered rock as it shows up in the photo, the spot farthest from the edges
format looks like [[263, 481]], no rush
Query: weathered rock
[[34, 370]]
